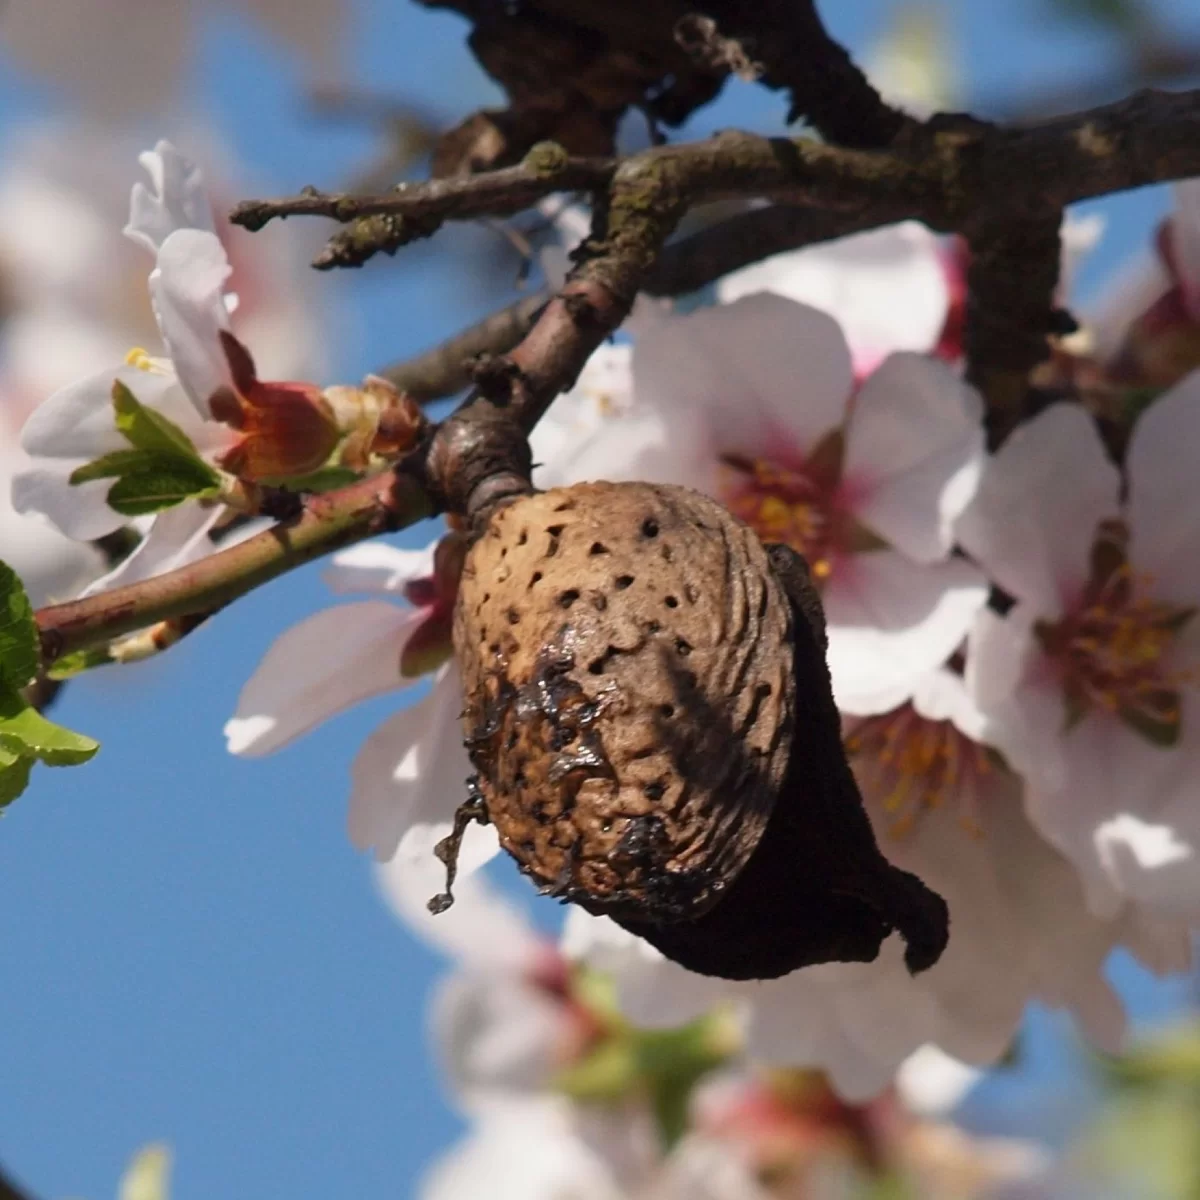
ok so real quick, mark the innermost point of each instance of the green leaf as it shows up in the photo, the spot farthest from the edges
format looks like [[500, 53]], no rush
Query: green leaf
[[170, 481], [75, 663], [146, 429], [119, 462], [19, 645], [14, 777], [26, 733]]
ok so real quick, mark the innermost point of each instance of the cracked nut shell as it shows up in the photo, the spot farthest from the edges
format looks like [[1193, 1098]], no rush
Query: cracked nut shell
[[626, 659]]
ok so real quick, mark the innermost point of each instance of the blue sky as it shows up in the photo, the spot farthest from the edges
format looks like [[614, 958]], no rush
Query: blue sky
[[192, 950]]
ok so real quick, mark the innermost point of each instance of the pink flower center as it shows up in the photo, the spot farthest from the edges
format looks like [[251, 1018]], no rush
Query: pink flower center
[[793, 505], [919, 764], [1113, 651]]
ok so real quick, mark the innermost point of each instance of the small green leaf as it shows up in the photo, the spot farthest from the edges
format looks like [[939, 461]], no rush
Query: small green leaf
[[25, 732], [79, 661], [119, 462], [14, 776], [146, 429], [19, 646], [169, 482]]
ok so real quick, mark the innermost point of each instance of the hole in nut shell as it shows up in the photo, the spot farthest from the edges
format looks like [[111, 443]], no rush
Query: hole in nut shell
[[552, 549], [565, 506], [666, 710], [622, 582], [555, 530], [567, 598], [671, 602], [599, 601], [653, 791], [523, 538], [667, 553], [514, 617], [653, 627], [598, 548], [683, 647], [536, 577], [650, 528]]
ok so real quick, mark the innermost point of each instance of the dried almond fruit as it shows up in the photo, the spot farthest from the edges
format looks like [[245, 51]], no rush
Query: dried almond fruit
[[603, 631], [650, 716]]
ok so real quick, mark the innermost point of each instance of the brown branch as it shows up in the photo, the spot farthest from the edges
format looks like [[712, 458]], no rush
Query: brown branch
[[546, 169], [380, 504], [446, 368]]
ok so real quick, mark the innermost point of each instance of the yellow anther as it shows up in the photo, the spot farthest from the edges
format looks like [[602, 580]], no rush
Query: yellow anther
[[139, 358]]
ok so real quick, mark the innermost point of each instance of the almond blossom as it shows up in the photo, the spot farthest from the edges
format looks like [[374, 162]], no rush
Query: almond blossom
[[206, 386], [964, 832], [1087, 684], [754, 402], [1146, 329], [411, 773]]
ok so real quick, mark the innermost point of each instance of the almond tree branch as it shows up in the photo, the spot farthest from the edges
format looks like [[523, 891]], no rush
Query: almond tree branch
[[371, 506], [969, 177]]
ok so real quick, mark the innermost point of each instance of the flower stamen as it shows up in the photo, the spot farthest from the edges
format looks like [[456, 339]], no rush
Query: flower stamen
[[919, 764]]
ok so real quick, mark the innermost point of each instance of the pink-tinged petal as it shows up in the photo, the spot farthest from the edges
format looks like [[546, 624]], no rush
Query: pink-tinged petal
[[176, 537], [892, 621], [407, 781], [943, 696], [887, 289], [1128, 816], [647, 444], [81, 512], [1162, 513], [327, 663], [1185, 240], [378, 567], [1130, 293], [1033, 520], [1020, 701], [175, 199], [915, 448], [187, 290], [763, 375]]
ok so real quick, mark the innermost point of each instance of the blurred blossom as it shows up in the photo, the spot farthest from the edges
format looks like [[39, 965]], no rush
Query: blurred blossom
[[125, 58], [1146, 328]]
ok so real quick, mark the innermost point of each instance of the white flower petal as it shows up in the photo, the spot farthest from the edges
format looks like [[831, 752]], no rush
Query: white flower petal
[[376, 566], [325, 664], [886, 288], [891, 622], [1128, 817], [187, 289], [52, 567], [407, 781], [497, 1035], [176, 537], [77, 422], [81, 512], [764, 375], [1163, 517], [1033, 521], [1134, 289], [176, 198], [484, 929], [915, 448], [932, 1084]]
